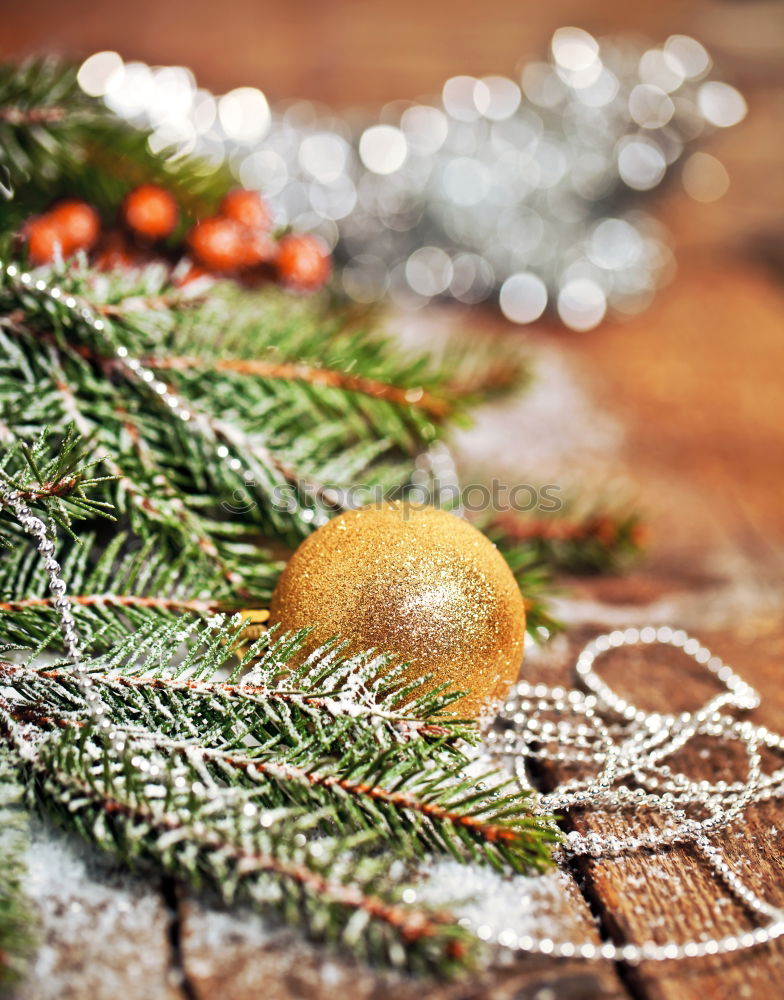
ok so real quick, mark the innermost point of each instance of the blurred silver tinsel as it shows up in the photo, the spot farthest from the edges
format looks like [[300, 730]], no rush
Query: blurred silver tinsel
[[522, 188]]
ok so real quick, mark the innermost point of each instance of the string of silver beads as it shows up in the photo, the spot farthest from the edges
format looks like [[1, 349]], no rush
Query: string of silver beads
[[627, 745], [37, 529]]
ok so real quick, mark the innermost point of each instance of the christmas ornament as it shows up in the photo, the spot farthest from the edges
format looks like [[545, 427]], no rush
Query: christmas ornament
[[515, 187], [415, 581], [150, 211], [70, 226], [303, 261]]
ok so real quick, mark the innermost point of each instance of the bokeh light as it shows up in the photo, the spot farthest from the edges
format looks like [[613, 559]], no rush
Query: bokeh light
[[517, 188]]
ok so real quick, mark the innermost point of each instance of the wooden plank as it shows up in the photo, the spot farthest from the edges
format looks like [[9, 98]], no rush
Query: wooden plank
[[347, 53], [673, 895], [701, 404], [104, 934], [230, 956]]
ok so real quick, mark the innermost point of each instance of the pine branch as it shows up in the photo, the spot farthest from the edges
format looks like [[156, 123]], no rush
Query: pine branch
[[418, 807], [345, 723], [280, 783], [593, 544], [157, 812], [285, 436], [327, 694]]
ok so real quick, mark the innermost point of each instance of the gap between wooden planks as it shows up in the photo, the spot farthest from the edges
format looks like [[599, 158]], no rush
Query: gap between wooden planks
[[673, 895]]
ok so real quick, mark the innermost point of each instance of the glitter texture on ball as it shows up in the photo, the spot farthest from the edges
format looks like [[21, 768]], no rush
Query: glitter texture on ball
[[417, 582]]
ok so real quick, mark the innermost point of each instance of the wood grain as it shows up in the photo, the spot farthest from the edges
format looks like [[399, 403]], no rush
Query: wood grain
[[231, 963], [673, 895]]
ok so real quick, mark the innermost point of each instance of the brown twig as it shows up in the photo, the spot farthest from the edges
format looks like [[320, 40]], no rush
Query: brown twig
[[495, 378], [59, 488], [211, 689], [556, 529], [118, 601], [134, 304], [492, 832], [415, 397]]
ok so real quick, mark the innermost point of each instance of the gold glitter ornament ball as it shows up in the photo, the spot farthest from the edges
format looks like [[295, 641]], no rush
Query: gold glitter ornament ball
[[417, 582]]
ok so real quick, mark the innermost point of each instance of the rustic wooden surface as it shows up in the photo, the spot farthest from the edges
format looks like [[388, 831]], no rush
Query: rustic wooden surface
[[681, 409]]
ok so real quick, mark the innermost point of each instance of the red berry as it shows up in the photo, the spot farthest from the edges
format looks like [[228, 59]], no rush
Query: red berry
[[150, 211], [247, 208], [258, 248], [303, 261], [44, 238], [79, 224], [219, 244]]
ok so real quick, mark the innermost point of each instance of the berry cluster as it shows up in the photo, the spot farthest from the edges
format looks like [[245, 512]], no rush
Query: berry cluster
[[237, 241], [70, 226]]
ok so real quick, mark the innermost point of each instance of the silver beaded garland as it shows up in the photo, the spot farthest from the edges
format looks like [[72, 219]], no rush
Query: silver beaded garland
[[628, 746]]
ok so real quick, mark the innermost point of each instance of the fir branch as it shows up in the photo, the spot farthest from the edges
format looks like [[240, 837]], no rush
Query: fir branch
[[276, 687], [267, 857], [386, 749], [417, 805], [262, 426], [56, 686], [596, 543]]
